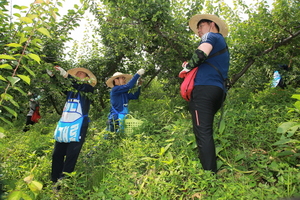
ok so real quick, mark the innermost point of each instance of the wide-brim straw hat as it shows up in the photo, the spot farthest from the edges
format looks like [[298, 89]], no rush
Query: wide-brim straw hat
[[92, 80], [196, 18], [110, 81]]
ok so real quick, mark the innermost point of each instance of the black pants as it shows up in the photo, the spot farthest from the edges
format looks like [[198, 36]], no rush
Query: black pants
[[28, 123], [205, 102], [65, 155]]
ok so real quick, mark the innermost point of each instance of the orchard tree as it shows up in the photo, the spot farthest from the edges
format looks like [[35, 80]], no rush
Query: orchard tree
[[155, 35], [29, 44], [269, 37], [128, 35]]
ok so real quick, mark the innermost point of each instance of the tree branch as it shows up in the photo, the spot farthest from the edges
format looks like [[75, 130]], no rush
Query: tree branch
[[236, 77]]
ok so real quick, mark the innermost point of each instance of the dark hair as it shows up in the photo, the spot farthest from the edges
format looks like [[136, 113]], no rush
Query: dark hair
[[207, 21]]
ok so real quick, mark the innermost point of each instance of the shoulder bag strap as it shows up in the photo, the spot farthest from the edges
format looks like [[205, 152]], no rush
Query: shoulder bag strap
[[215, 69], [224, 81], [213, 55], [218, 53]]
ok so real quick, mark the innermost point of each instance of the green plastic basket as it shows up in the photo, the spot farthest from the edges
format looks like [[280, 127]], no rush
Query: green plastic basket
[[131, 123]]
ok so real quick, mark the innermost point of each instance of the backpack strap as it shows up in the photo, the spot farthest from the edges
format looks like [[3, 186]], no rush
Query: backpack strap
[[215, 69], [218, 53], [224, 80]]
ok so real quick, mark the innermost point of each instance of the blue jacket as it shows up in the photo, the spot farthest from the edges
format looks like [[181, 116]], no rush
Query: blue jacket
[[82, 88], [119, 96]]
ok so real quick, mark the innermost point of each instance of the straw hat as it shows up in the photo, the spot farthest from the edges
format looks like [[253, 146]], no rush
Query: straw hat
[[196, 18], [110, 81], [93, 79]]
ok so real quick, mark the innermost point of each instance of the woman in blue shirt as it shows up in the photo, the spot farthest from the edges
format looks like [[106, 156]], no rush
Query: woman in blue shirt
[[119, 97], [209, 89]]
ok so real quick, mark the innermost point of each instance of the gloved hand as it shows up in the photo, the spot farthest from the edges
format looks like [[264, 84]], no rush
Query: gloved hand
[[183, 73], [50, 73], [140, 72], [61, 71], [184, 64]]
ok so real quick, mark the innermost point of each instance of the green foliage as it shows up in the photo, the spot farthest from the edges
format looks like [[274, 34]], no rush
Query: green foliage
[[26, 43], [257, 146], [34, 186], [133, 35], [260, 42], [159, 159]]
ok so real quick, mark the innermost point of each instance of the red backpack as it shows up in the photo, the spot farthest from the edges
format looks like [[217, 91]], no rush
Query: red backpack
[[36, 115], [187, 85]]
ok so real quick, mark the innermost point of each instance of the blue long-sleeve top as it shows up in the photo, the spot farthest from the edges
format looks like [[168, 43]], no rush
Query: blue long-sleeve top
[[119, 95], [81, 88]]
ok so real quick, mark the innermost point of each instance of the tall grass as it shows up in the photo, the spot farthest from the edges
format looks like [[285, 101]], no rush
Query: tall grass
[[159, 159]]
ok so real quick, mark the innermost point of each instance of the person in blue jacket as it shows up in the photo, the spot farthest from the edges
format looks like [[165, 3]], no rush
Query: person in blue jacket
[[209, 89], [278, 80], [119, 97], [65, 154]]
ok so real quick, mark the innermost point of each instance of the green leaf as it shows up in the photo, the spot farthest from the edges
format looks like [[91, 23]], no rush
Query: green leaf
[[17, 195], [2, 78], [3, 56], [284, 127], [293, 130], [11, 111], [34, 57], [285, 141], [20, 90], [28, 28], [35, 186], [297, 105], [6, 121], [282, 141], [222, 126], [164, 149], [285, 153], [14, 103], [13, 45], [26, 20], [274, 166], [1, 133], [17, 15], [12, 80], [22, 39], [6, 66], [44, 31], [25, 78], [20, 7], [6, 96], [296, 96], [32, 16], [219, 149], [29, 70], [239, 157]]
